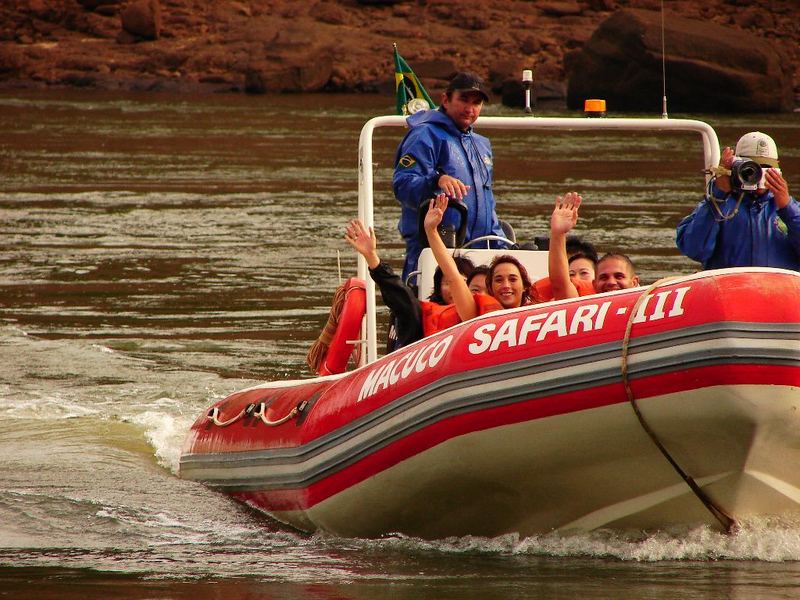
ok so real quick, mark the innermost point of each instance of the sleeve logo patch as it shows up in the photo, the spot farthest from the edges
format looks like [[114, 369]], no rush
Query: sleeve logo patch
[[407, 161]]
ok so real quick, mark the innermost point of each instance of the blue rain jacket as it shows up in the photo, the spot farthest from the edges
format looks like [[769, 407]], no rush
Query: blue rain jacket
[[433, 147], [759, 235]]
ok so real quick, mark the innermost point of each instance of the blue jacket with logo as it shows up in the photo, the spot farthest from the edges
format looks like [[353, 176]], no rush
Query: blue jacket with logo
[[435, 146], [759, 235]]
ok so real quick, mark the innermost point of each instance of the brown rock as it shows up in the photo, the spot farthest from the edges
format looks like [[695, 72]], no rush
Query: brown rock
[[97, 4], [560, 9], [754, 18], [11, 63], [709, 67], [124, 38], [217, 41], [107, 10], [602, 5], [242, 9], [329, 12], [309, 74], [508, 70], [549, 90], [438, 68], [530, 45], [142, 18], [38, 7], [476, 19]]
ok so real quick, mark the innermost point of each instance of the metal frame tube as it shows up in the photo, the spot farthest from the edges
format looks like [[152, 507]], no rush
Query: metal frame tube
[[711, 154]]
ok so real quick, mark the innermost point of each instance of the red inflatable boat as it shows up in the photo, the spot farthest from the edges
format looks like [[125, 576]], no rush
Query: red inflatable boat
[[540, 418], [676, 404]]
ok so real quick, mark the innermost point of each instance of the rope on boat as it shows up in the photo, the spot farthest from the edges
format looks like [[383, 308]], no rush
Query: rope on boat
[[727, 521], [255, 410]]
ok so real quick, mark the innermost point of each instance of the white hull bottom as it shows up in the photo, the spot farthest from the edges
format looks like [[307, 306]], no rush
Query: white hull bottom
[[587, 470]]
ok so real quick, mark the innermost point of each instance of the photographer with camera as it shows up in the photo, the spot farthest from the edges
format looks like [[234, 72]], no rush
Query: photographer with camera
[[747, 217]]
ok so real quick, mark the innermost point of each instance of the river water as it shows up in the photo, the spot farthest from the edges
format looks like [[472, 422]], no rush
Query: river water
[[160, 252]]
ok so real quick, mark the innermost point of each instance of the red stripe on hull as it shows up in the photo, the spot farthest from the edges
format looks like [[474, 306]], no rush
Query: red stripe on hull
[[419, 441]]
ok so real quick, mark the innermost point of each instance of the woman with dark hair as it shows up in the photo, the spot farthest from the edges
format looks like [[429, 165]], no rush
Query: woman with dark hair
[[441, 286], [413, 318], [507, 280], [582, 267], [476, 281]]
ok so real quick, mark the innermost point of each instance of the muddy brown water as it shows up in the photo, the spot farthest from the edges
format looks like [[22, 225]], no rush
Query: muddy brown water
[[159, 252]]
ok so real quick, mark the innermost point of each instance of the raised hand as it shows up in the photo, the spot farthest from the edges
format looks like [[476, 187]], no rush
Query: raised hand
[[363, 240], [435, 212], [565, 213], [563, 219], [462, 297]]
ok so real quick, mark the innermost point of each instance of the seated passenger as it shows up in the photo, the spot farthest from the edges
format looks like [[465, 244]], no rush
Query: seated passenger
[[508, 282], [613, 271], [582, 265], [476, 281], [442, 293], [507, 279], [410, 314]]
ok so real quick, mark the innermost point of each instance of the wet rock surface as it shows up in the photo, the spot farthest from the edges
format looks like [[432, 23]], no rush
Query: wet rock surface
[[280, 46], [705, 65]]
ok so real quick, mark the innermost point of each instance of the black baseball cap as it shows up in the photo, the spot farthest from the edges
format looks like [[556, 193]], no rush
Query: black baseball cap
[[468, 82]]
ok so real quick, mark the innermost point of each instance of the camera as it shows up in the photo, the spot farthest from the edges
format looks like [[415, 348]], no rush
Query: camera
[[747, 175]]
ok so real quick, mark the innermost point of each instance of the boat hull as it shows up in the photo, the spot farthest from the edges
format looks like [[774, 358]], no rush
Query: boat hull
[[523, 421]]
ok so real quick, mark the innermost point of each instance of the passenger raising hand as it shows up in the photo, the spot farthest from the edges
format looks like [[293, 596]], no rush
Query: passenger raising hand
[[563, 219], [364, 241], [462, 297], [565, 213]]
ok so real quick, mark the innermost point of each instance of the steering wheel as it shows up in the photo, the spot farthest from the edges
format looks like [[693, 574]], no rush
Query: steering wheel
[[490, 238]]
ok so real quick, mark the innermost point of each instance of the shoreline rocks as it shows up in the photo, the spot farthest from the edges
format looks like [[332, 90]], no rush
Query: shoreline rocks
[[285, 46]]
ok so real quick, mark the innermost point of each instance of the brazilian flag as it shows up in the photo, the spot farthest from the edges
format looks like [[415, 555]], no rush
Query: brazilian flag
[[411, 95]]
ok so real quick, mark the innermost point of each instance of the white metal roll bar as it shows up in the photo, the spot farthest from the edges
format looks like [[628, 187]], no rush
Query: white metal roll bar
[[711, 155]]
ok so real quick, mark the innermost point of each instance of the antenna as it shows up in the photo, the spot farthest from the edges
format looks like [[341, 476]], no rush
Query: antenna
[[663, 68]]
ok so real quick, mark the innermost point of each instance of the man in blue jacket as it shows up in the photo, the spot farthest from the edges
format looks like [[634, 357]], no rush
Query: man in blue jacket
[[734, 227], [442, 152]]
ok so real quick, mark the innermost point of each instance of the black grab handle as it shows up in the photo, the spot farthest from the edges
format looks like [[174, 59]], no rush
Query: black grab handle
[[460, 235]]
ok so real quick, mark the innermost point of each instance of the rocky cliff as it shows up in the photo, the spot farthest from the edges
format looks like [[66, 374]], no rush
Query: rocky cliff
[[335, 45]]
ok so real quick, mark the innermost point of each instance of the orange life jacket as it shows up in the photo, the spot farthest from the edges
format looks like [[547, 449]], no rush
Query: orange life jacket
[[542, 290], [436, 317]]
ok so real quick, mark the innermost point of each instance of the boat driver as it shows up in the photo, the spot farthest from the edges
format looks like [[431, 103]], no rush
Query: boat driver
[[441, 152]]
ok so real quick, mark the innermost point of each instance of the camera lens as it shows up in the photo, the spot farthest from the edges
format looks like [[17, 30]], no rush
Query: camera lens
[[750, 173], [745, 174]]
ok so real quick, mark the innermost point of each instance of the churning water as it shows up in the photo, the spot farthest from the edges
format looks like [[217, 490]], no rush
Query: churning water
[[160, 252]]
